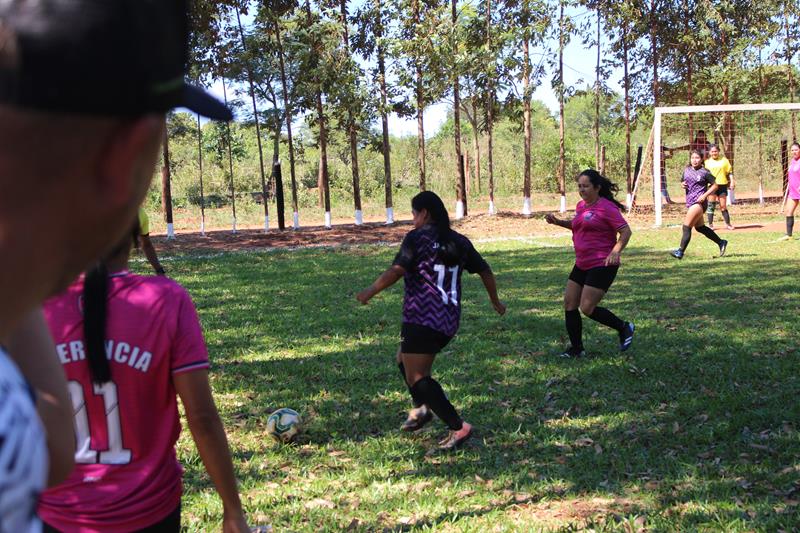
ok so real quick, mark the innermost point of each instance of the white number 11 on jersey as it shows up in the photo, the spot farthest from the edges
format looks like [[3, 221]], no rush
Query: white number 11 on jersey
[[84, 454], [452, 296]]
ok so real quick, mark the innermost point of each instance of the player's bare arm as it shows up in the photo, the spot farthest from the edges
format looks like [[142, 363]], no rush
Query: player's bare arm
[[384, 281]]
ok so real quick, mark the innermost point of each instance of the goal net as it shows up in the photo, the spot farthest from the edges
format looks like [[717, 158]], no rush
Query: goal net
[[754, 138]]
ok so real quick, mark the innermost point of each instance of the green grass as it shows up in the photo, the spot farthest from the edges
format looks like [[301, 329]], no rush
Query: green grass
[[695, 428]]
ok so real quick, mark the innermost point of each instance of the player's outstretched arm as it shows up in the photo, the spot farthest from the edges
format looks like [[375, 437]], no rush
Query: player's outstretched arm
[[384, 281], [488, 279], [212, 444], [32, 349], [552, 219]]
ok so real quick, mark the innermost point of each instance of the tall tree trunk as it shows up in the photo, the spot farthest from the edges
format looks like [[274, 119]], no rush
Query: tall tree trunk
[[461, 207], [323, 182], [654, 50], [387, 160], [626, 83], [476, 147], [789, 68], [288, 112], [490, 111], [597, 96], [166, 188], [351, 124], [526, 119], [690, 94], [230, 159], [562, 183], [200, 171], [258, 126], [420, 93]]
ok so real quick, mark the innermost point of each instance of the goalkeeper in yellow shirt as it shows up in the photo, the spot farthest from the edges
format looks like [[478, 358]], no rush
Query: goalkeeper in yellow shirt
[[721, 169]]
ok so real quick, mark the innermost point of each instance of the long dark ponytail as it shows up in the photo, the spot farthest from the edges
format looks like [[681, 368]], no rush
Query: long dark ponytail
[[607, 188], [448, 253], [95, 315], [95, 293]]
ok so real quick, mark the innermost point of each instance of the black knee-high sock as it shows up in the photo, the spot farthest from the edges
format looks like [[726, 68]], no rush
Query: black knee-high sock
[[726, 216], [710, 233], [414, 399], [607, 318], [687, 236], [789, 225], [710, 212], [574, 324], [431, 393]]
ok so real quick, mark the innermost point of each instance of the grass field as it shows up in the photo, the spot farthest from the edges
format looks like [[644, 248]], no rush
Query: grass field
[[695, 428]]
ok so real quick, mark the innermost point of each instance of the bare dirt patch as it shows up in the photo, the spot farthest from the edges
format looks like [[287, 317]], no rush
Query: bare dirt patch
[[505, 224]]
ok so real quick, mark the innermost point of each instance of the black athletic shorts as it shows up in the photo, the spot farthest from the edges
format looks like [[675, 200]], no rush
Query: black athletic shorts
[[599, 277], [722, 190], [170, 524], [422, 339]]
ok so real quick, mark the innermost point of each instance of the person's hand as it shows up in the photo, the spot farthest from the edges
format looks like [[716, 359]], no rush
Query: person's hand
[[364, 296], [500, 307], [685, 185], [612, 259], [236, 523], [550, 218]]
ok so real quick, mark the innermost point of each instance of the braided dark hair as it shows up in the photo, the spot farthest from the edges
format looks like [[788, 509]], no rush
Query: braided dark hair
[[448, 252], [95, 307], [607, 188]]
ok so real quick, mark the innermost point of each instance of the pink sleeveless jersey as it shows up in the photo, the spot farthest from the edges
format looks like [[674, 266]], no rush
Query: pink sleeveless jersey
[[127, 476], [794, 179], [594, 232]]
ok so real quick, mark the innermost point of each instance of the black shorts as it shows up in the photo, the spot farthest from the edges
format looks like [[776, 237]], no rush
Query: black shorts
[[422, 339], [599, 277], [722, 190], [170, 524]]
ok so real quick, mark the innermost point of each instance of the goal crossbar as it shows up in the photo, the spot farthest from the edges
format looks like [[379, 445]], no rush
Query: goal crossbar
[[659, 111]]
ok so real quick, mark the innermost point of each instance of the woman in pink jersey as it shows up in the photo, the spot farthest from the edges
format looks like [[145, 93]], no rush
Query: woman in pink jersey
[[599, 234], [129, 345], [793, 190]]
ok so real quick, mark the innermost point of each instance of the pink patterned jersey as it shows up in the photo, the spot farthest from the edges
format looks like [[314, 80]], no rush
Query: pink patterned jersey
[[794, 179], [127, 476], [594, 232]]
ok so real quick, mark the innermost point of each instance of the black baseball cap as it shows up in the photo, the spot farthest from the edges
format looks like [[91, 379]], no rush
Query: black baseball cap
[[99, 57]]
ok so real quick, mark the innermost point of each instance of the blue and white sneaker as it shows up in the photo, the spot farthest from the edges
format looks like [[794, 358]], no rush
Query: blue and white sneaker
[[626, 336]]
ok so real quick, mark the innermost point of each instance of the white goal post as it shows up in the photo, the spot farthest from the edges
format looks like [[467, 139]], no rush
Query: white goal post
[[660, 112]]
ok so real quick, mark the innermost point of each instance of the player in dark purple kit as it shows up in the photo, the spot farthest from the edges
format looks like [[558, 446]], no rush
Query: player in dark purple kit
[[431, 260], [699, 185]]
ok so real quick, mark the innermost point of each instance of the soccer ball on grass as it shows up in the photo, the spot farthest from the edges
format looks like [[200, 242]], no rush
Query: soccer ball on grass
[[283, 425]]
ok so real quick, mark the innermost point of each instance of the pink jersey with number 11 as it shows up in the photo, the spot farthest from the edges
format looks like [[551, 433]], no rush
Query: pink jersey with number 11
[[127, 476]]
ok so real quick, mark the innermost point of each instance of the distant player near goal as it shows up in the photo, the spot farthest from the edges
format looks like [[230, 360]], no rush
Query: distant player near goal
[[721, 169], [793, 190], [431, 261], [699, 185], [595, 228], [129, 345]]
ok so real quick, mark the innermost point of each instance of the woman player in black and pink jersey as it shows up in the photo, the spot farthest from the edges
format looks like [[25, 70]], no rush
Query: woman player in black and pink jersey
[[699, 185], [595, 230], [431, 260]]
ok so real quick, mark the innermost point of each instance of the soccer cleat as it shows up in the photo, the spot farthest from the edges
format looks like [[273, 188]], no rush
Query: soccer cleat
[[723, 247], [729, 226], [417, 419], [785, 238], [677, 254], [573, 353], [455, 439], [626, 336]]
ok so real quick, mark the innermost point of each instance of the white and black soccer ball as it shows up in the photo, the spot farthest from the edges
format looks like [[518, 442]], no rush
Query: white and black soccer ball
[[283, 425]]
